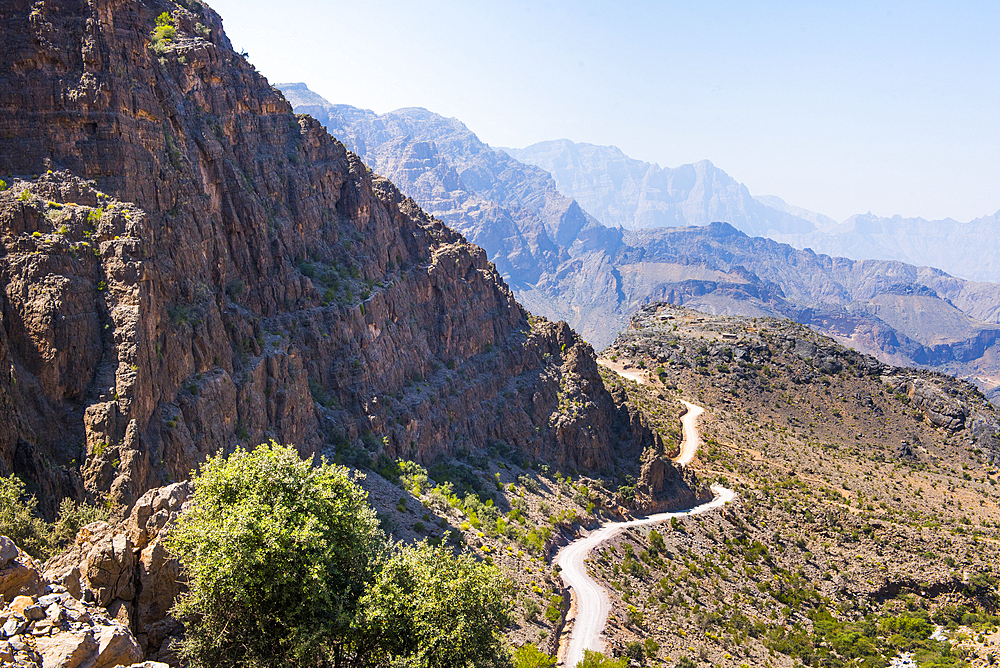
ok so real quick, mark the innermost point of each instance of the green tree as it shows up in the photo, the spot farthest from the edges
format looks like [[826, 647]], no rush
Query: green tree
[[431, 609], [278, 554]]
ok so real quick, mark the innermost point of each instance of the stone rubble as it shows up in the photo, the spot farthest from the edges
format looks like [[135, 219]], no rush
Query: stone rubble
[[103, 602], [46, 627]]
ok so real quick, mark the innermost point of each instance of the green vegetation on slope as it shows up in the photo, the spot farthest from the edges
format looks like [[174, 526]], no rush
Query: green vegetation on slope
[[288, 567], [20, 521]]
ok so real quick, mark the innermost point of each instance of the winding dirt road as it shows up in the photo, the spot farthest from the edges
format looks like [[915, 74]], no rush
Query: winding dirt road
[[589, 598], [692, 439]]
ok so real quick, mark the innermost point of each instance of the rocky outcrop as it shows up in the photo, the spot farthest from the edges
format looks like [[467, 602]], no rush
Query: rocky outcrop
[[18, 572], [663, 486], [188, 267], [45, 626], [940, 405], [126, 570], [103, 602]]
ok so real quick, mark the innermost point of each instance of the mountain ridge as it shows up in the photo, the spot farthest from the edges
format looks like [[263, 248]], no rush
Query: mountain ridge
[[565, 264], [623, 192]]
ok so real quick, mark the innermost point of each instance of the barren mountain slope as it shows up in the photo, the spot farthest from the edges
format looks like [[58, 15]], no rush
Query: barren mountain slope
[[867, 503]]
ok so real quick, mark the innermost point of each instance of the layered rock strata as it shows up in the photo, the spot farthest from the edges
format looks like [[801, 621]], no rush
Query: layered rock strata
[[187, 267]]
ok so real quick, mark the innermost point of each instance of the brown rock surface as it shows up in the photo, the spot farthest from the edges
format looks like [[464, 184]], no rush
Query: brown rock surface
[[125, 568], [19, 573], [52, 629], [187, 267]]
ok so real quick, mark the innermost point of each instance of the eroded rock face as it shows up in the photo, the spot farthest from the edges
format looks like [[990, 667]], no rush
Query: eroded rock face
[[188, 267], [933, 400]]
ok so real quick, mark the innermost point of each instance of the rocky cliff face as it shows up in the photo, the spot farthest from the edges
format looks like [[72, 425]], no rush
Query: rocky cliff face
[[512, 209], [188, 266]]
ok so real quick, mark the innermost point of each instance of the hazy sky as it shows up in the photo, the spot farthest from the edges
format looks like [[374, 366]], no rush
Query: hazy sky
[[838, 107]]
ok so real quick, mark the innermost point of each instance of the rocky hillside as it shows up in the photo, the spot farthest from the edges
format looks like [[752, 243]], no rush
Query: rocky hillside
[[513, 210], [867, 501], [568, 266], [624, 192], [188, 266]]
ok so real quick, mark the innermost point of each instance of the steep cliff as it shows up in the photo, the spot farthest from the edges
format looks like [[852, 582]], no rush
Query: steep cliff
[[187, 266]]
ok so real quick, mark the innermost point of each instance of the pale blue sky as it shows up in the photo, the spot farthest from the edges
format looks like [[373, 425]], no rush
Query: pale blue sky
[[839, 107]]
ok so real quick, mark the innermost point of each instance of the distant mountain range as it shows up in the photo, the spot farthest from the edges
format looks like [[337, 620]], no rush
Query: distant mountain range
[[566, 264], [970, 250], [621, 191]]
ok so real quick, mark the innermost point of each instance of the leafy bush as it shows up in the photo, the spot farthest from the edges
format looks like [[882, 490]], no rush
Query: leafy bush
[[72, 517], [431, 608], [553, 611], [529, 656], [164, 33], [278, 554], [592, 659], [656, 543], [19, 520], [287, 566], [635, 651]]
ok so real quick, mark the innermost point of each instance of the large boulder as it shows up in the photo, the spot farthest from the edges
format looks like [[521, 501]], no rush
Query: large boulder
[[19, 573]]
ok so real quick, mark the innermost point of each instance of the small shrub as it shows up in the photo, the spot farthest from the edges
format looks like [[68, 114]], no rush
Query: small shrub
[[592, 659], [164, 33], [531, 610], [529, 656], [19, 520], [73, 516]]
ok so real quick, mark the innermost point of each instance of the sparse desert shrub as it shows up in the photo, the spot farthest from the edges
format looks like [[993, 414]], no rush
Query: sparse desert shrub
[[164, 33], [19, 520], [592, 659], [529, 656]]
